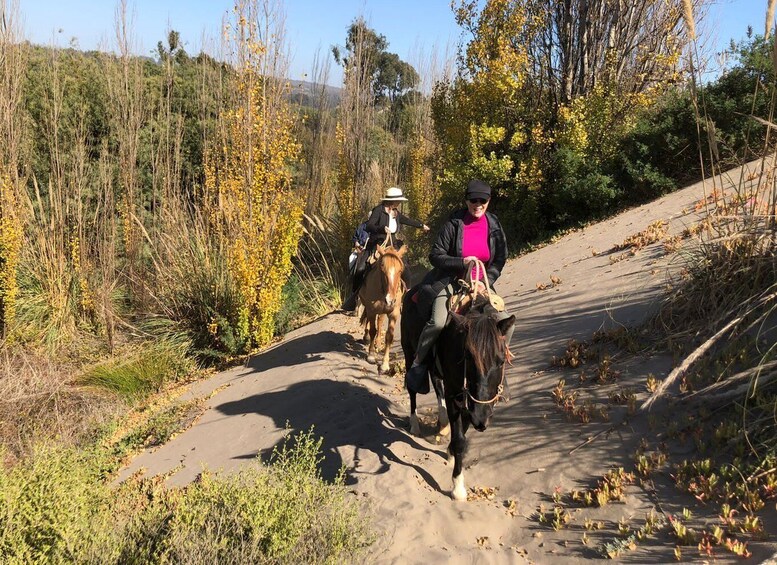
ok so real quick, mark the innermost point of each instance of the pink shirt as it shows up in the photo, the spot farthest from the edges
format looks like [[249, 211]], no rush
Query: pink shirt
[[474, 241]]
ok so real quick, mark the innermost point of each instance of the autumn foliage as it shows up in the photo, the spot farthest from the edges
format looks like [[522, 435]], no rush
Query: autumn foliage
[[248, 180], [545, 95]]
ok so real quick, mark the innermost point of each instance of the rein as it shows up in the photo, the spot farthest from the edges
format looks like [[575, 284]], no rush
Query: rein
[[474, 268]]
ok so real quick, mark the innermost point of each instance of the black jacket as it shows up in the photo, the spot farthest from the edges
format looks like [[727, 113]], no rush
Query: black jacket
[[448, 263], [379, 221]]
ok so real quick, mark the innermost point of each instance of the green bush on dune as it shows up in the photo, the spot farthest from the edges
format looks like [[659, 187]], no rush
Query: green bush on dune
[[56, 506]]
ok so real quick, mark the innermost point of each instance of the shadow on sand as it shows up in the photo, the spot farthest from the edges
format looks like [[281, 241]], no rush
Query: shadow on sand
[[349, 418]]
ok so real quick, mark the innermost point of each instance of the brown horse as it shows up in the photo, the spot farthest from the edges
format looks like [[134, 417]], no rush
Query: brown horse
[[381, 294]]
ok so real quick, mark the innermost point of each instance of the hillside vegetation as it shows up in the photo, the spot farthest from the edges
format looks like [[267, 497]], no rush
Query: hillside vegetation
[[161, 216]]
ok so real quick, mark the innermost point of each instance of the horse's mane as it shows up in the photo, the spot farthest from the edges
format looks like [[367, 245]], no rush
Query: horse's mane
[[392, 255], [484, 341]]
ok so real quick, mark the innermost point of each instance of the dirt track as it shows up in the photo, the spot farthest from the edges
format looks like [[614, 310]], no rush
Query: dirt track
[[318, 377]]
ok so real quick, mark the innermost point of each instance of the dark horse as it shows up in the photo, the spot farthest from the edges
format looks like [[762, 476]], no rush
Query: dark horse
[[467, 372]]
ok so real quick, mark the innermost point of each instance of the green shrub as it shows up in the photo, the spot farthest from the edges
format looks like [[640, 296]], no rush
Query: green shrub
[[57, 506], [580, 190], [284, 513]]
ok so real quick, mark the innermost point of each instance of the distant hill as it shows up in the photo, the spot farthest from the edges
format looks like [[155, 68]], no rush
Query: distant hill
[[306, 93]]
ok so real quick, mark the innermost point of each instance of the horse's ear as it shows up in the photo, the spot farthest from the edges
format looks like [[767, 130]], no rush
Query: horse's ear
[[457, 319], [505, 325], [402, 250]]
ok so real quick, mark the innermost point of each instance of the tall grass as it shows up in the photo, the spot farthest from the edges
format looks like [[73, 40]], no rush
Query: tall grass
[[38, 405], [135, 376], [192, 290], [725, 303]]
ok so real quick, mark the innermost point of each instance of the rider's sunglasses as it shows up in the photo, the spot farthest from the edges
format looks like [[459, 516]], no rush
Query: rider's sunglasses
[[477, 200]]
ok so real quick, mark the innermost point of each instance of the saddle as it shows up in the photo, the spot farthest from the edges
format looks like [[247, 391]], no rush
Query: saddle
[[462, 300]]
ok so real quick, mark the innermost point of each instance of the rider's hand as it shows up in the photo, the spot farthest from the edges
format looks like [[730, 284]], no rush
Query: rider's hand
[[470, 259], [425, 227]]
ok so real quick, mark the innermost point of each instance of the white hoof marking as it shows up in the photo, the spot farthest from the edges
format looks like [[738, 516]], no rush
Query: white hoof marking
[[459, 491]]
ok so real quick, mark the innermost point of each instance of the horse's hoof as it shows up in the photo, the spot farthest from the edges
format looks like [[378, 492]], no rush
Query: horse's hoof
[[384, 368], [370, 358], [459, 492], [415, 429]]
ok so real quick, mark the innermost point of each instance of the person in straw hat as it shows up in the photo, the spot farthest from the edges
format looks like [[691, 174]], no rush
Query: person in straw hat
[[384, 219]]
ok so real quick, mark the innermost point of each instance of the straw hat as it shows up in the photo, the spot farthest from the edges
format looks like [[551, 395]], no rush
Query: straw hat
[[394, 194]]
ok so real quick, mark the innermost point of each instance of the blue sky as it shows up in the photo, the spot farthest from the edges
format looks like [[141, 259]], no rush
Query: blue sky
[[311, 25]]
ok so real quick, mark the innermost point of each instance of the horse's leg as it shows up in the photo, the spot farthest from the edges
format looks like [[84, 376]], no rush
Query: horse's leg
[[456, 450], [415, 429], [443, 425], [378, 329], [372, 331], [392, 322]]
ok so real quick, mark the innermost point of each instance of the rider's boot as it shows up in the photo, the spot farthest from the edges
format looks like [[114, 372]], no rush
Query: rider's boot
[[417, 378]]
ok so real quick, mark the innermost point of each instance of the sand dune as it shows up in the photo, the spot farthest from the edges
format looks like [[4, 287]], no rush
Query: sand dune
[[318, 376]]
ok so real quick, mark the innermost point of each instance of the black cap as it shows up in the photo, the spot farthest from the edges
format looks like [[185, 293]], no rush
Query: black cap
[[478, 189]]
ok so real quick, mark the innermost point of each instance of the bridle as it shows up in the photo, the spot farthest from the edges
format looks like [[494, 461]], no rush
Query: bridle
[[499, 389]]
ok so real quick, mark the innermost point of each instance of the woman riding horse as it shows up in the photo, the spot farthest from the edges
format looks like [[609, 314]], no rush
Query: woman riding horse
[[471, 234], [381, 295], [385, 219]]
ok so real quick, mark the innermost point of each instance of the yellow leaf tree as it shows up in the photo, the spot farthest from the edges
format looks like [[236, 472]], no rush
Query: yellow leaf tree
[[248, 178], [538, 76]]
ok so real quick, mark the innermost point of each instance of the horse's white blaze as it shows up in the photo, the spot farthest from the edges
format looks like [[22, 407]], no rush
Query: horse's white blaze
[[459, 490], [414, 427]]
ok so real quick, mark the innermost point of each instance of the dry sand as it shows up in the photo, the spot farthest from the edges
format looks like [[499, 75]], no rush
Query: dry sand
[[317, 376]]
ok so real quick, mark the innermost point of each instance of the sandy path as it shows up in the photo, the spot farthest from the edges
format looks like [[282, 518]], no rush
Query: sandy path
[[318, 376]]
